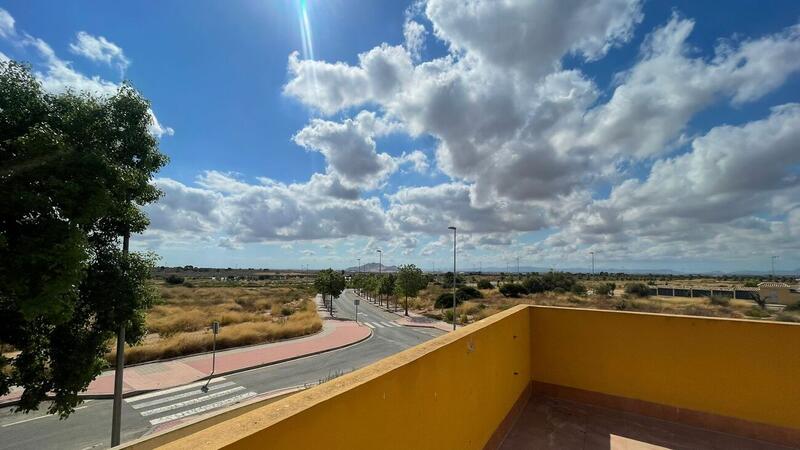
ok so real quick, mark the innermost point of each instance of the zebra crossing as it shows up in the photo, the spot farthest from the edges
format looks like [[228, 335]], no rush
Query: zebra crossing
[[185, 401], [375, 325]]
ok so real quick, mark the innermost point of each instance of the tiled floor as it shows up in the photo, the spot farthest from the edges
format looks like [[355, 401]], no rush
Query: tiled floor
[[548, 423]]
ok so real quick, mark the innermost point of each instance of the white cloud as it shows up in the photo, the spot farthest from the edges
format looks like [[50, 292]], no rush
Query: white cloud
[[98, 48], [417, 159], [525, 142], [268, 211], [58, 75], [414, 34], [532, 36], [6, 24], [349, 148], [381, 73]]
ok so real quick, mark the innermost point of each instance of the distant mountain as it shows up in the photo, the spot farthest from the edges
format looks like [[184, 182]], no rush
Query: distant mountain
[[372, 268]]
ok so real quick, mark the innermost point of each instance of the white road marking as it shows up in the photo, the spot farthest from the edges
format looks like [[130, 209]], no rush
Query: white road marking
[[390, 324], [193, 401], [41, 417], [171, 390], [202, 409], [191, 393], [377, 324], [369, 325]]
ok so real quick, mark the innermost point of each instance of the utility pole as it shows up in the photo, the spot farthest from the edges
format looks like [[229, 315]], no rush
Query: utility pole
[[592, 253], [517, 268], [455, 276], [116, 411], [773, 258]]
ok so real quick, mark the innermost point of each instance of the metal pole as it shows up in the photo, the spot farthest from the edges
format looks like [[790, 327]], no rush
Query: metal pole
[[773, 265], [592, 262], [380, 275], [455, 275], [116, 412]]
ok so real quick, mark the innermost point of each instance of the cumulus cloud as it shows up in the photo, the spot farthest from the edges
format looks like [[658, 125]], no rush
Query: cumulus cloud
[[98, 48], [349, 148], [532, 36], [711, 199], [381, 73], [414, 34], [267, 211], [525, 142]]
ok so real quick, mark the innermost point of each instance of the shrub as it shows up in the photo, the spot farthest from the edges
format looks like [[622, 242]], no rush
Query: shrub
[[513, 290], [468, 293], [786, 317], [751, 284], [637, 289], [719, 301], [605, 289], [756, 312], [559, 290], [578, 289], [534, 284], [174, 279], [485, 284], [445, 300], [793, 307]]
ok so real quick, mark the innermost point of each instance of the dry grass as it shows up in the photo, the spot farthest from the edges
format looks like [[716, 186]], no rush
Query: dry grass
[[248, 315], [493, 303]]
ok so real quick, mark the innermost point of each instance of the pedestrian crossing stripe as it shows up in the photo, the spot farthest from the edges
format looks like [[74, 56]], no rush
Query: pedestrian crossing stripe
[[374, 325], [192, 401], [189, 400], [202, 409]]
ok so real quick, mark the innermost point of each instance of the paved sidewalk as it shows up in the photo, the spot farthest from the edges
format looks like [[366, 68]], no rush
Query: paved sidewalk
[[165, 374]]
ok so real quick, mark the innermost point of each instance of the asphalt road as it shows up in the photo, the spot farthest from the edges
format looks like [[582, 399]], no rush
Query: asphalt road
[[90, 425]]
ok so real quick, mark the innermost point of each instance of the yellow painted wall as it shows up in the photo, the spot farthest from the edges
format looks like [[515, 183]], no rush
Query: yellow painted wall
[[449, 393], [738, 368]]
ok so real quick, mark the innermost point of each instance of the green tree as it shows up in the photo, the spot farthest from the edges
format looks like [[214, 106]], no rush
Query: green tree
[[75, 169], [410, 280], [330, 284], [387, 287]]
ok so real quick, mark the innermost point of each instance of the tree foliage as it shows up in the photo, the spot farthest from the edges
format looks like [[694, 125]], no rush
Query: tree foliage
[[410, 280], [330, 284], [74, 169]]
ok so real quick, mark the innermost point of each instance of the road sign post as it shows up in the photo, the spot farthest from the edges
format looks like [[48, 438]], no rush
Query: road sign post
[[356, 302], [215, 332]]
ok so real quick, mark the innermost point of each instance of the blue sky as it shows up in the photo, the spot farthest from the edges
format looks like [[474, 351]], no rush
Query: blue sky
[[615, 127]]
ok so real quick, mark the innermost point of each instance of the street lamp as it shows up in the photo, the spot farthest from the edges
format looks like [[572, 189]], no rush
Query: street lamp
[[455, 274], [773, 258], [359, 274], [592, 253], [380, 274]]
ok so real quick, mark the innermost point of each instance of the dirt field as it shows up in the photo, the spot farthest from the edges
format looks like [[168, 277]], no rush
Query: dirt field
[[250, 314]]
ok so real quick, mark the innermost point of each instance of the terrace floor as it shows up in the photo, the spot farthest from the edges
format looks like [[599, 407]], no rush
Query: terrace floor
[[560, 424]]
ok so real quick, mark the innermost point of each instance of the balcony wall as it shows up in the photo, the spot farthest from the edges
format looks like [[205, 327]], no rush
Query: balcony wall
[[451, 392], [462, 390], [737, 376]]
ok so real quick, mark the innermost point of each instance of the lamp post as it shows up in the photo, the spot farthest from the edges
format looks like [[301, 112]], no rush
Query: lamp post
[[773, 258], [592, 253], [455, 275], [380, 274], [359, 274]]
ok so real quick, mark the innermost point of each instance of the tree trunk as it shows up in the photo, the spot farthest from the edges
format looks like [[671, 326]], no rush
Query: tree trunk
[[406, 305]]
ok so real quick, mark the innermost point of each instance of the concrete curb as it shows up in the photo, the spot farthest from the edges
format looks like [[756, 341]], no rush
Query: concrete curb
[[220, 374]]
